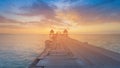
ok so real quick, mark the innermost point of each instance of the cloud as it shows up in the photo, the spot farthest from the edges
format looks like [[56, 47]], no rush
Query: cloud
[[5, 20], [39, 7], [74, 11], [31, 10], [8, 23], [102, 11]]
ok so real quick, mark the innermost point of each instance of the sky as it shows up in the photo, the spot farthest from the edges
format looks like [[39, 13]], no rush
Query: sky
[[78, 16]]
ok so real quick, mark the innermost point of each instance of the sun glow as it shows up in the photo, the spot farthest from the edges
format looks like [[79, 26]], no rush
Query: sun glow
[[38, 17]]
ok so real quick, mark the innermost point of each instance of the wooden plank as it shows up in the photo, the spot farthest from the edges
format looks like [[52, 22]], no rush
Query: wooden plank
[[70, 53]]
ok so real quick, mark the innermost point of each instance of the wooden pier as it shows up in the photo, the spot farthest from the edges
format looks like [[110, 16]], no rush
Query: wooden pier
[[69, 53]]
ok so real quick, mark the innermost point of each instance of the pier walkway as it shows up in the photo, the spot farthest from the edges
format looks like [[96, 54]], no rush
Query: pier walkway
[[70, 53]]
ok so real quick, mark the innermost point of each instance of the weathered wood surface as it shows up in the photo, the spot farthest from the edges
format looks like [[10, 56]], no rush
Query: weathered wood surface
[[70, 53]]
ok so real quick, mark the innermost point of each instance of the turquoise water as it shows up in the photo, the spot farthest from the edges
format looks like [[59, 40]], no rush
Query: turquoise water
[[18, 51]]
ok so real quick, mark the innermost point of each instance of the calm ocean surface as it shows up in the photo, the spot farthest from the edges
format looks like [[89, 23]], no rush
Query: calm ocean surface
[[18, 51]]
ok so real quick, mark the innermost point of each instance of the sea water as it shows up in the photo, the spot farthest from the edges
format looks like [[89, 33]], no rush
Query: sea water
[[107, 41], [18, 51]]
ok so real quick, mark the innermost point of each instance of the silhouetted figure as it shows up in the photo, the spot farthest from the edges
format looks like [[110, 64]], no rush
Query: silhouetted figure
[[51, 31], [65, 33]]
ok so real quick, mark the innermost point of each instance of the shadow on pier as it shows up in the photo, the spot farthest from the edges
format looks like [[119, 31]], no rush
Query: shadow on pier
[[63, 52]]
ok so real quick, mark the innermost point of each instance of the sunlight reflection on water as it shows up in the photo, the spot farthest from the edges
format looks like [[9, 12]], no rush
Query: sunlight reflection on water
[[18, 51]]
